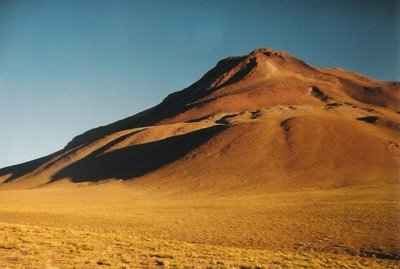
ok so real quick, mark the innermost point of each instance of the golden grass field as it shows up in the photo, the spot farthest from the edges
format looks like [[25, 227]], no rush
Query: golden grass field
[[113, 225]]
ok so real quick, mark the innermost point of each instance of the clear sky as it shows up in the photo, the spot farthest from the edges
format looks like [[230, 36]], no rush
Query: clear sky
[[68, 66]]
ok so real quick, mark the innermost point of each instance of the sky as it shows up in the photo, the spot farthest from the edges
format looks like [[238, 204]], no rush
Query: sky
[[69, 66]]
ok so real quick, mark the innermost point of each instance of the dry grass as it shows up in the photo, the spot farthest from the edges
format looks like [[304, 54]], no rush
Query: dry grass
[[42, 247], [354, 227]]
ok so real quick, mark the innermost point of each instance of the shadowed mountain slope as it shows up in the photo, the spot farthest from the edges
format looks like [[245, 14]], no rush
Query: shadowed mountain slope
[[265, 119]]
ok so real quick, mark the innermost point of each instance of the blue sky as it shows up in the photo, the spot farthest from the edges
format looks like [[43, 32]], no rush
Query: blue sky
[[68, 66]]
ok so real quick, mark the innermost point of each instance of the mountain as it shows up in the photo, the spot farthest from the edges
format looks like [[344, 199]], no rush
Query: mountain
[[265, 120]]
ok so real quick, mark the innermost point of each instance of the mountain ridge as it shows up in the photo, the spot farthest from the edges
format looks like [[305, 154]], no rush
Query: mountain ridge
[[264, 92], [208, 83]]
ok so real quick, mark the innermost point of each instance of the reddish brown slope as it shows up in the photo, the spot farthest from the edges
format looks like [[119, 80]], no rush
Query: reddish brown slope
[[263, 78], [264, 120]]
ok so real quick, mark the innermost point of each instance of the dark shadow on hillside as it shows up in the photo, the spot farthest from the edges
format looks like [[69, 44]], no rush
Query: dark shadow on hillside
[[23, 169], [369, 119], [137, 160], [242, 73], [173, 104], [94, 153], [369, 95]]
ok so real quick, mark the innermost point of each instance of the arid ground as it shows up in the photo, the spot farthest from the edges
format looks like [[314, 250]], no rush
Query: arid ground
[[114, 226]]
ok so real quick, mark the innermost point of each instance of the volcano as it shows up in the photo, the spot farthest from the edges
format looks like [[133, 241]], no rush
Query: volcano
[[264, 162], [265, 121]]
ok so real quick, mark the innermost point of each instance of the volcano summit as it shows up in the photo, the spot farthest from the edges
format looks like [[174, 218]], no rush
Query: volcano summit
[[264, 119]]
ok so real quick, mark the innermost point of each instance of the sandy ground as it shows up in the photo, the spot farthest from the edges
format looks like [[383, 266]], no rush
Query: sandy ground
[[131, 228]]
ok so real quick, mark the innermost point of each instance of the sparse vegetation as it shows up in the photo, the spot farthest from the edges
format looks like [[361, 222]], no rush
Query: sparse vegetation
[[250, 267], [110, 245], [7, 244], [104, 262], [308, 229]]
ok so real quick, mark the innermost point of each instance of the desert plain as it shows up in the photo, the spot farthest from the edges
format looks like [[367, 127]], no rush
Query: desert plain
[[116, 226]]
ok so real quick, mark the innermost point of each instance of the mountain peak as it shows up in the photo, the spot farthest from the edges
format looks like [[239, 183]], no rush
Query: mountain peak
[[268, 52], [263, 55], [263, 78], [273, 88]]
